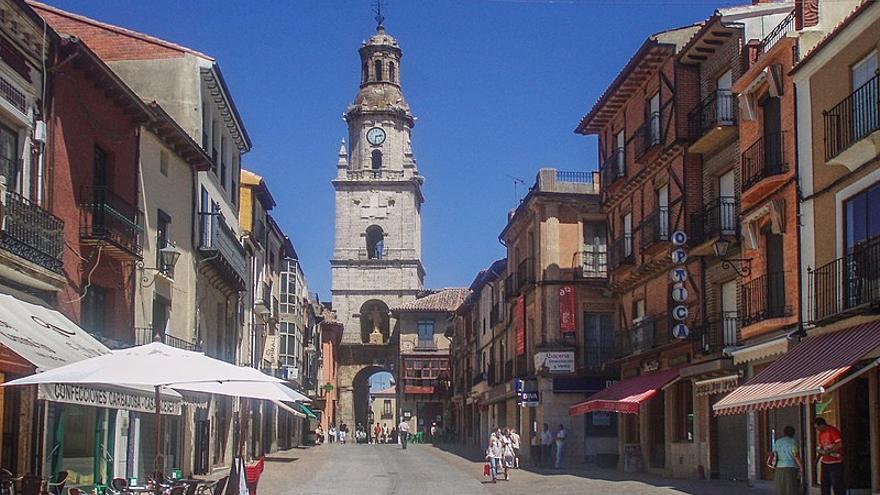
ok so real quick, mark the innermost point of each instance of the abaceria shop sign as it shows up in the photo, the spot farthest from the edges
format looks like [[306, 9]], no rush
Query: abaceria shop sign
[[110, 398]]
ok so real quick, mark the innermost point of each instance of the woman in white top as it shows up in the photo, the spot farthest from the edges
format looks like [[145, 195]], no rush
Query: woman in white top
[[494, 454], [507, 445]]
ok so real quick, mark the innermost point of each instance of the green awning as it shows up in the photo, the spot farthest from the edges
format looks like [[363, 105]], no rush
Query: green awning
[[308, 412]]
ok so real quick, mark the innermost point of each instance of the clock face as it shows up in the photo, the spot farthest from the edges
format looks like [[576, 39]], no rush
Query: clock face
[[376, 136]]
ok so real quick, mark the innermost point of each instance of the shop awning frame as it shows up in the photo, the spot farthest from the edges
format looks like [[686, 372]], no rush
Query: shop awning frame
[[627, 395], [811, 368]]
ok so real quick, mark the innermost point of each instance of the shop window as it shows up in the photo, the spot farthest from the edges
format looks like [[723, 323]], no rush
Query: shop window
[[684, 411]]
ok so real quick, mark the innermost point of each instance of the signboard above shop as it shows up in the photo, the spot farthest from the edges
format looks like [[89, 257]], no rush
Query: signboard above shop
[[128, 399], [555, 361]]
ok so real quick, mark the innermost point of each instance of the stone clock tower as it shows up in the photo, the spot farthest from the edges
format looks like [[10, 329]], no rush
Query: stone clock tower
[[376, 261]]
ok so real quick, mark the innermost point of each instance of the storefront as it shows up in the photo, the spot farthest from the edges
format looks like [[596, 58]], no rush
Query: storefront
[[832, 376]]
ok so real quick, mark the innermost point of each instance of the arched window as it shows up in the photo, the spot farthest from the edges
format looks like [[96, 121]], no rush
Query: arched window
[[378, 69], [377, 159], [366, 72], [375, 242], [391, 76]]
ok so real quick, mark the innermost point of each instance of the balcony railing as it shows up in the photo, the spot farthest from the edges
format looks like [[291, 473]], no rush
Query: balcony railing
[[648, 135], [720, 331], [621, 252], [765, 158], [853, 119], [106, 216], [642, 336], [719, 218], [614, 167], [847, 284], [779, 32], [764, 298], [525, 272], [574, 176], [655, 227], [716, 110], [218, 239], [511, 289], [595, 261], [31, 232], [145, 335], [378, 174]]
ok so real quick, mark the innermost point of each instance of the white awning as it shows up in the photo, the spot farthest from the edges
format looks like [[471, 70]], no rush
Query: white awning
[[44, 337]]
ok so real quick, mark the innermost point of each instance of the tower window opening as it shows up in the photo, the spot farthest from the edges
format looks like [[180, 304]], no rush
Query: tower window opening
[[366, 72], [391, 76], [377, 159], [378, 69], [375, 242]]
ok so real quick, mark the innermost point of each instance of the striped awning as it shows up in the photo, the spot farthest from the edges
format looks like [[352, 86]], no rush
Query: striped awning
[[626, 395], [805, 372]]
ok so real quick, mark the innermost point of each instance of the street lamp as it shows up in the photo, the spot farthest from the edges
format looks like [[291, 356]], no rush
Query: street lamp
[[168, 257], [721, 247]]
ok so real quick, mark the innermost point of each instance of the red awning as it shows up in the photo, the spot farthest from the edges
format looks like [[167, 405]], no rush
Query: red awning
[[805, 372], [625, 395]]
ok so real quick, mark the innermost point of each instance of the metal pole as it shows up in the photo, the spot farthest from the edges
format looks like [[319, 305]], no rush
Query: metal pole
[[158, 464]]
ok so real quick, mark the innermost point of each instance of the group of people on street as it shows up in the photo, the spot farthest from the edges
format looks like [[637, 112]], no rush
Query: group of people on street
[[334, 434], [785, 461], [548, 448], [383, 434], [502, 454]]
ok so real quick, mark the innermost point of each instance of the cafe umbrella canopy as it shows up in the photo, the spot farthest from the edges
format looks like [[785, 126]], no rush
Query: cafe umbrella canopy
[[161, 367]]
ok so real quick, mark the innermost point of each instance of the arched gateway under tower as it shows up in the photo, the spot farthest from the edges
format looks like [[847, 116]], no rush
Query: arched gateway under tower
[[376, 261]]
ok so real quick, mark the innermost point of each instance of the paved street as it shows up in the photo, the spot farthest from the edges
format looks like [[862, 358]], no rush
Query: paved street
[[429, 470]]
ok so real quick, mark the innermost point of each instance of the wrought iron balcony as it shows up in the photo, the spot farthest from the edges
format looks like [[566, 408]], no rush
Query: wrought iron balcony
[[779, 32], [648, 135], [221, 246], [719, 218], [145, 335], [614, 167], [511, 289], [642, 336], [847, 285], [765, 158], [719, 331], [853, 119], [764, 298], [655, 228], [719, 109], [108, 219], [525, 273], [31, 232], [621, 252]]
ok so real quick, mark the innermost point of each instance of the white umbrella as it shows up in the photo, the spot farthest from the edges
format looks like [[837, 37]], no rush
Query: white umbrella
[[161, 366]]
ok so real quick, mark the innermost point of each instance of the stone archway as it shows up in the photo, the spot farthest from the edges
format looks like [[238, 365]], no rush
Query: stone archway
[[361, 393]]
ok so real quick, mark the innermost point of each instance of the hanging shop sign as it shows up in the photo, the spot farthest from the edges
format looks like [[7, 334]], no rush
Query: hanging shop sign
[[567, 311], [519, 314], [110, 398], [555, 362], [679, 293]]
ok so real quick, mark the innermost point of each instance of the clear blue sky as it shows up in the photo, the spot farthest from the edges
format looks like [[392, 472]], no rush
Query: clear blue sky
[[497, 86]]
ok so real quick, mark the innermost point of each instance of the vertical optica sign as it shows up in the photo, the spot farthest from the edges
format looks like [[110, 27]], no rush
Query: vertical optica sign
[[679, 294], [566, 310], [520, 315]]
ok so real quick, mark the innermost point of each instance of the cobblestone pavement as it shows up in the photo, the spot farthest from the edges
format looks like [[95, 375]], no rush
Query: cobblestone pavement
[[429, 470]]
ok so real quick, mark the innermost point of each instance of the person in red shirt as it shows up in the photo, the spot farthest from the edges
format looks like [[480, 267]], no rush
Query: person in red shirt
[[830, 450]]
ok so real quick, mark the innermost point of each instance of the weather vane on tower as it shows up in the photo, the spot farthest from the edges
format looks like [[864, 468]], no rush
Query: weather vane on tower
[[378, 10]]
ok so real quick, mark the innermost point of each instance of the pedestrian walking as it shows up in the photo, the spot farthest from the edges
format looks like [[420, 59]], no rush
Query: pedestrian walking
[[830, 458], [786, 461], [331, 434], [560, 446], [546, 445], [403, 432], [514, 443], [377, 433], [319, 435], [494, 454], [386, 434], [433, 432], [507, 454]]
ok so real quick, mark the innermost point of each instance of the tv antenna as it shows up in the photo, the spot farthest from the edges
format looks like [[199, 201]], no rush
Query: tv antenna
[[516, 182]]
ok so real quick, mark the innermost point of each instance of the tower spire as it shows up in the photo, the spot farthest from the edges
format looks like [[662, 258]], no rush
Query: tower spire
[[377, 8]]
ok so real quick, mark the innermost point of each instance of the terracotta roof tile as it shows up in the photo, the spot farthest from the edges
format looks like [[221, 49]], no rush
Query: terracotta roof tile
[[442, 300]]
